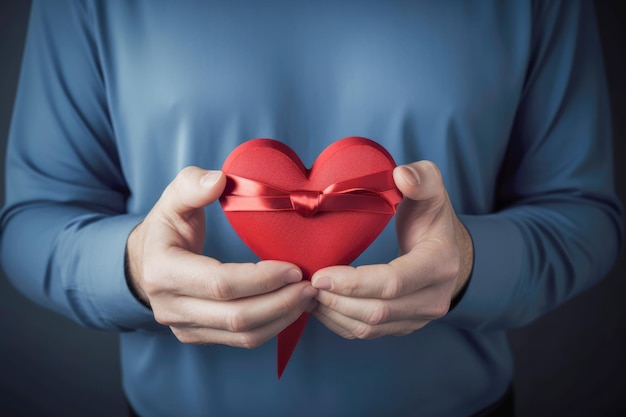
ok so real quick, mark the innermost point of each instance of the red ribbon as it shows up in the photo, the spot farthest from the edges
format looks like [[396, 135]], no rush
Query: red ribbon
[[380, 196]]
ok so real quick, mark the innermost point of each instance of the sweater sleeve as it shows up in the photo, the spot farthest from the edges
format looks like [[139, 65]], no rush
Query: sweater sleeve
[[64, 223], [557, 229]]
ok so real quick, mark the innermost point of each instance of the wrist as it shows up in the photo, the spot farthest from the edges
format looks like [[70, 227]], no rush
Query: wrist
[[466, 266], [132, 268]]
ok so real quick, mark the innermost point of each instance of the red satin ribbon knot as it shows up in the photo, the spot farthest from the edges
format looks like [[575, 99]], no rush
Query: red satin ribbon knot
[[305, 203], [378, 195]]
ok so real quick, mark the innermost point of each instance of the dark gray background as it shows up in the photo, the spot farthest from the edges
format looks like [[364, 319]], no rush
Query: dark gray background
[[571, 362]]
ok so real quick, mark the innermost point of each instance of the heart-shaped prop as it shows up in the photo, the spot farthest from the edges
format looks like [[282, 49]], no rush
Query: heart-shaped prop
[[315, 218]]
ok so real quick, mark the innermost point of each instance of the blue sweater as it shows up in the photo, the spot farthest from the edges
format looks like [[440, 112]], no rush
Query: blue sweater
[[508, 98]]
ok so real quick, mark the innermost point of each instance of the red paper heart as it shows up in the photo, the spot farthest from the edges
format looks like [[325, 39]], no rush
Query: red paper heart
[[315, 218]]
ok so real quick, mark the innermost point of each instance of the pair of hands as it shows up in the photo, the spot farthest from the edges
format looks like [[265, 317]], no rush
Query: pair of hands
[[205, 301]]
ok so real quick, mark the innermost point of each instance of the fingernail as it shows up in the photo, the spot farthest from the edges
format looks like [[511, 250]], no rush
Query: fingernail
[[323, 283], [209, 179], [293, 275], [309, 292], [410, 175]]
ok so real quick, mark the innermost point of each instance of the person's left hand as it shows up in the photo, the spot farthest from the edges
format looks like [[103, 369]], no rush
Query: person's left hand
[[435, 261]]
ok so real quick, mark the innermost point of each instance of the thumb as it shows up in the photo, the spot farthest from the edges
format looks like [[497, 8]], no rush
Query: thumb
[[193, 188], [420, 181], [425, 200]]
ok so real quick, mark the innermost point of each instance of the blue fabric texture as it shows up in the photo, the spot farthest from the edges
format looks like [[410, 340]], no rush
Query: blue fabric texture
[[508, 98]]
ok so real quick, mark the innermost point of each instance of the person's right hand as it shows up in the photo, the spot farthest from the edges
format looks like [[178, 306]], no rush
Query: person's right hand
[[202, 300]]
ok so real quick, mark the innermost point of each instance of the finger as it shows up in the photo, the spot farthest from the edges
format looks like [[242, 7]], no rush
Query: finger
[[353, 329], [404, 275], [428, 304], [248, 339], [203, 277], [419, 181], [240, 315], [192, 188], [326, 317]]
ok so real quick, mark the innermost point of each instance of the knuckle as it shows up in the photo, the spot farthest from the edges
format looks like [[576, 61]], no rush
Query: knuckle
[[168, 316], [249, 341], [394, 286], [448, 272], [266, 274], [432, 169], [150, 281], [219, 288], [380, 313], [285, 306], [440, 309], [237, 322], [364, 331], [185, 174], [452, 262], [152, 285], [162, 316], [348, 286], [289, 299], [332, 302], [175, 187]]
